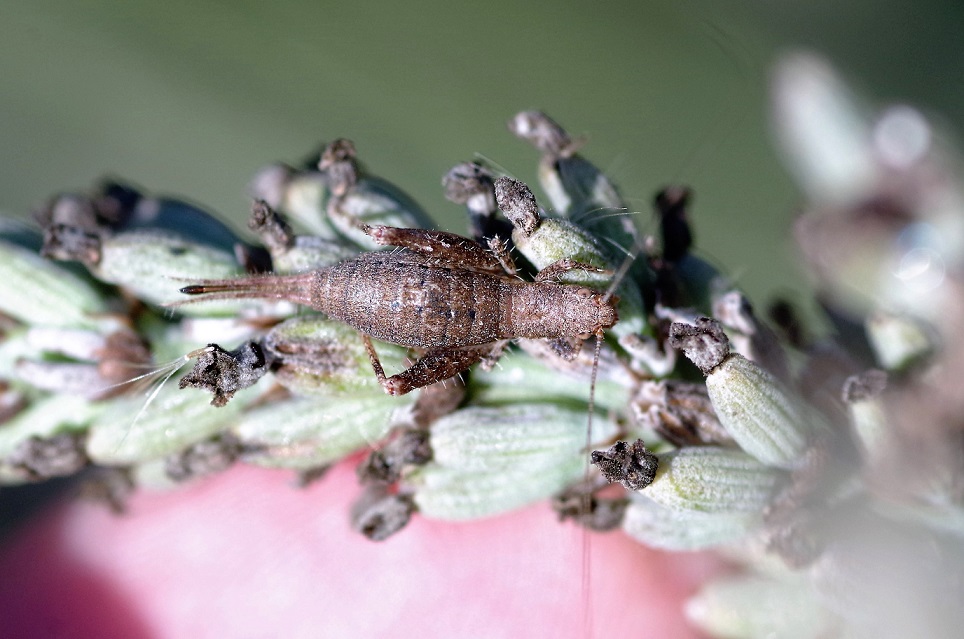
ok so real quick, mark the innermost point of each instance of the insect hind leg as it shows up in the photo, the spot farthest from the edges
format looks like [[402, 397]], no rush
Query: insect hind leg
[[432, 367], [447, 248]]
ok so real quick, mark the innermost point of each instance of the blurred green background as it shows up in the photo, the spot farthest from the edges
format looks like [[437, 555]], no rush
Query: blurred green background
[[190, 98]]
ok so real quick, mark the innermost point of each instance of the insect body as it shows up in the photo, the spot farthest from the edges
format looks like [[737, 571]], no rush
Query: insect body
[[445, 294]]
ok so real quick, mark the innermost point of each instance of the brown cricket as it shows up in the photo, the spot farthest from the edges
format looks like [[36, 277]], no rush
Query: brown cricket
[[446, 295]]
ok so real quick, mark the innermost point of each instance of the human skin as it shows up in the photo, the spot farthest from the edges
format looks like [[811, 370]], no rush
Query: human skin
[[244, 554]]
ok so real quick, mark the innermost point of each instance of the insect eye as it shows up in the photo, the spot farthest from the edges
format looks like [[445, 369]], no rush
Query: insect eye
[[584, 292]]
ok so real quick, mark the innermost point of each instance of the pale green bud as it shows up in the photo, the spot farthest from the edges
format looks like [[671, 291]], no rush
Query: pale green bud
[[491, 460], [761, 415], [713, 480], [454, 494], [749, 336], [660, 526], [292, 253], [764, 418], [481, 438], [135, 429], [519, 378], [357, 199], [374, 201], [307, 432], [308, 253], [156, 265], [99, 362], [576, 188]]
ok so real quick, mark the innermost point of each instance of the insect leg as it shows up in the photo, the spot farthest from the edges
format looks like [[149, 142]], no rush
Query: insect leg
[[501, 253], [564, 265], [430, 368], [446, 247]]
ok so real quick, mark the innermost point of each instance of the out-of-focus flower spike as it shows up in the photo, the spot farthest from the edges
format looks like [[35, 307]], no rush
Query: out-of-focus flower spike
[[761, 415], [757, 606], [884, 229], [489, 460], [886, 579], [899, 341], [660, 526], [822, 131], [713, 480]]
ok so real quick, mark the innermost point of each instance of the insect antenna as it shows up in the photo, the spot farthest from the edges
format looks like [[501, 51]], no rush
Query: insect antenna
[[500, 168]]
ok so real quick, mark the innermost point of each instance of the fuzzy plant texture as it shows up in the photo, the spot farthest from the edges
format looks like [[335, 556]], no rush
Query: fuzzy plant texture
[[826, 463]]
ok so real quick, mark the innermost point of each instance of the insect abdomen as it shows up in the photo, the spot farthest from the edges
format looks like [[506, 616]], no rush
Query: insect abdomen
[[416, 304]]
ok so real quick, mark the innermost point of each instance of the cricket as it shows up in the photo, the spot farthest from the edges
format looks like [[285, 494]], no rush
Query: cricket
[[445, 294]]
